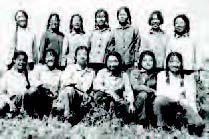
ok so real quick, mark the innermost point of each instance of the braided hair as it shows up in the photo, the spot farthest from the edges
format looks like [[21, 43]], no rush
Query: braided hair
[[179, 56]]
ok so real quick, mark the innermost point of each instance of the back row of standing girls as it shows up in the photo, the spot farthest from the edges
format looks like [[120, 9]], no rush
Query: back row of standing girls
[[126, 39], [116, 51]]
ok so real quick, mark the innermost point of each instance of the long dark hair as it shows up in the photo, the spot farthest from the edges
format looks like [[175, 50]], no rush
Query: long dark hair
[[16, 29], [106, 17], [126, 9], [50, 16], [179, 56], [118, 56], [23, 12], [56, 61], [71, 23], [16, 54], [142, 55], [186, 20], [81, 48], [159, 16]]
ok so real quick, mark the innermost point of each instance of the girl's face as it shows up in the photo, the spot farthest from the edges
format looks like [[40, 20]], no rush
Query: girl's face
[[20, 63], [174, 64], [112, 63], [100, 19], [155, 22], [123, 16], [82, 56], [147, 62], [50, 59], [76, 22], [54, 23], [21, 20], [180, 25]]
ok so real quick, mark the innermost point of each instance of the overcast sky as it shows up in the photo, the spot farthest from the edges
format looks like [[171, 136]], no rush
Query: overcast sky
[[39, 10]]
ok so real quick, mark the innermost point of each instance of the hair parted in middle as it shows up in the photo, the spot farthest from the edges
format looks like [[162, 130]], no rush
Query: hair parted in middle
[[81, 48], [106, 17], [126, 9], [143, 54], [50, 17], [159, 16], [179, 56], [71, 23]]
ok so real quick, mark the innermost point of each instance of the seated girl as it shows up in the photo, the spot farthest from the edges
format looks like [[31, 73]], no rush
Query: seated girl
[[176, 93], [76, 82], [14, 85], [114, 85], [143, 82], [46, 78]]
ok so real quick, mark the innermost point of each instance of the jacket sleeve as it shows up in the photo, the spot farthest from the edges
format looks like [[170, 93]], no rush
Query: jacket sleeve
[[42, 47]]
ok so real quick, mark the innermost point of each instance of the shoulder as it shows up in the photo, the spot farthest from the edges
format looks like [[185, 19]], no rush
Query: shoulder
[[161, 74], [45, 34], [135, 28], [133, 71], [61, 34], [6, 74], [103, 72], [70, 67]]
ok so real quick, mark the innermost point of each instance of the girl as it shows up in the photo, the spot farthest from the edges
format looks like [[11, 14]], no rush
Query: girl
[[47, 80], [114, 83], [73, 40], [182, 42], [156, 39], [125, 39], [143, 82], [76, 82], [176, 93], [52, 38], [15, 83], [99, 40], [24, 39]]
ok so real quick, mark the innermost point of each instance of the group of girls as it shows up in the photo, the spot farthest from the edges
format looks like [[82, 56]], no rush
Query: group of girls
[[145, 80]]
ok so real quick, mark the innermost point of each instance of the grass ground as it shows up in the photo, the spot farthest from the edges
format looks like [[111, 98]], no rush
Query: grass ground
[[49, 128]]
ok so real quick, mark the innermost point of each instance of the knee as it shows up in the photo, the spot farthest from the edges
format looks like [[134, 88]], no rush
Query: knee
[[141, 96], [158, 103], [69, 91]]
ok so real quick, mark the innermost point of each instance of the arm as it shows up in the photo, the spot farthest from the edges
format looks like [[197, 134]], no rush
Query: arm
[[111, 42], [42, 47], [190, 88], [98, 83], [65, 51], [137, 44], [35, 50], [161, 84], [128, 93]]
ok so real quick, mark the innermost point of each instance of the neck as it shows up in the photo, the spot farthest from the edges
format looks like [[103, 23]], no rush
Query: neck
[[20, 70], [176, 74], [115, 73], [21, 28], [77, 30], [83, 66], [156, 29], [54, 30], [51, 68], [123, 24], [101, 27], [180, 33]]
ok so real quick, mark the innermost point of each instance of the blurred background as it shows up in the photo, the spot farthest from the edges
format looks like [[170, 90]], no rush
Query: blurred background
[[39, 10]]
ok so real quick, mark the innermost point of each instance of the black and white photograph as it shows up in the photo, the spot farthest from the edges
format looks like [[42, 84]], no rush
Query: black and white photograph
[[104, 69]]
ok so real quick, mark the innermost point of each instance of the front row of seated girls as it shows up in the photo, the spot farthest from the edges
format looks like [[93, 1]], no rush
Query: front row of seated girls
[[137, 95]]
